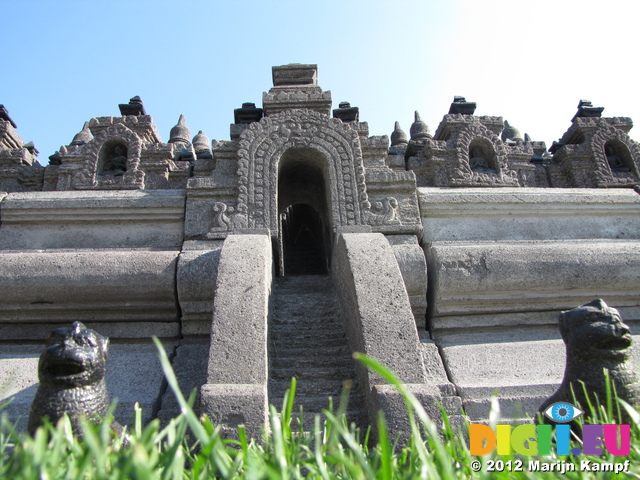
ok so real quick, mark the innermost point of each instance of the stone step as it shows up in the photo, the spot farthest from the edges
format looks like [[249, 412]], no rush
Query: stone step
[[313, 373], [293, 351], [302, 284], [317, 403], [317, 387], [307, 340], [310, 361], [320, 330]]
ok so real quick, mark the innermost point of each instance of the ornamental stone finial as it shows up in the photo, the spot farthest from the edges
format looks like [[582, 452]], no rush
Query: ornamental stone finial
[[398, 136], [461, 106], [134, 107], [180, 133], [83, 136], [419, 129], [201, 144], [510, 133]]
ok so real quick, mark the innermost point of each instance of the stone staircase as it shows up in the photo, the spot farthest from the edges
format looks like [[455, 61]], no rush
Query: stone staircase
[[307, 341]]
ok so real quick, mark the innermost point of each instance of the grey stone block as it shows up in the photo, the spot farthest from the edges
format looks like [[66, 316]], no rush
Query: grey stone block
[[197, 272], [483, 278], [413, 267], [376, 305], [236, 389], [232, 405], [191, 372], [500, 214], [113, 330], [93, 219], [238, 351], [390, 401], [89, 286]]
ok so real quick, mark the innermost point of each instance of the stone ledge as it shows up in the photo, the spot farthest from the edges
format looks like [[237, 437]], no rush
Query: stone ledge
[[497, 214], [103, 219]]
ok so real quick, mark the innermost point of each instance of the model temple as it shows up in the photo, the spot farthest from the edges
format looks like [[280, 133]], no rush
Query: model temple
[[447, 256]]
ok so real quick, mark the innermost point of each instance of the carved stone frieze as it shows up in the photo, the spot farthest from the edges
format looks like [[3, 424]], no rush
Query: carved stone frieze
[[596, 152], [264, 142], [466, 151], [118, 153]]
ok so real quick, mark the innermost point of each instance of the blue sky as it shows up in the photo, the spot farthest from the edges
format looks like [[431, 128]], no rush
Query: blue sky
[[65, 62]]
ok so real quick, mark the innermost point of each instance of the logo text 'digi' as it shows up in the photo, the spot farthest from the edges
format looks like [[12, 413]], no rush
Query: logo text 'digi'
[[529, 439]]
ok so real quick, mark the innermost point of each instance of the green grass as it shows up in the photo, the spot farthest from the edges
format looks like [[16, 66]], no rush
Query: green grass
[[192, 448]]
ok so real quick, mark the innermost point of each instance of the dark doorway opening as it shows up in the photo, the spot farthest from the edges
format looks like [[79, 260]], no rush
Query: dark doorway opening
[[303, 246], [303, 239]]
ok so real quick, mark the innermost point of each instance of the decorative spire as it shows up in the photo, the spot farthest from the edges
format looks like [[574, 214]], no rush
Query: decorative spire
[[461, 106], [201, 144], [83, 136], [180, 133], [398, 136], [510, 133], [134, 107], [586, 109], [419, 129]]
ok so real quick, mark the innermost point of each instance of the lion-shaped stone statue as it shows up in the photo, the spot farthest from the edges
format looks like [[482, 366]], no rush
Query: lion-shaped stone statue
[[71, 372], [596, 340]]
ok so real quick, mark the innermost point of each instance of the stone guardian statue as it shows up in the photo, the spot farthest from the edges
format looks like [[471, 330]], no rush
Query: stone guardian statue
[[596, 340], [71, 371]]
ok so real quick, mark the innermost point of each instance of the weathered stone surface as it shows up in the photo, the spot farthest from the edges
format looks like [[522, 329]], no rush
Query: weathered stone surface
[[596, 152], [191, 371], [196, 279], [236, 389], [379, 322], [530, 276], [295, 74], [240, 309], [483, 214], [467, 152], [231, 405], [142, 219], [113, 329], [116, 285], [376, 305], [521, 366], [307, 340], [413, 267]]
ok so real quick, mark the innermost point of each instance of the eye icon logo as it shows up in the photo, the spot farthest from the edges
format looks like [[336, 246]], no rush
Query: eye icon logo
[[562, 412]]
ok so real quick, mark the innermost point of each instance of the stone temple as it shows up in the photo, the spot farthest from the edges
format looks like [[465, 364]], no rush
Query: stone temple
[[446, 256]]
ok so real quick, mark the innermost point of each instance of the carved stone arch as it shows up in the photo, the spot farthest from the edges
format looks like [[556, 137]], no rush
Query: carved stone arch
[[115, 134], [608, 135], [480, 134], [264, 143]]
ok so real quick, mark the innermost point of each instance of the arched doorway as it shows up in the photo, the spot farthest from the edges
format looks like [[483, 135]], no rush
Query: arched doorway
[[303, 237]]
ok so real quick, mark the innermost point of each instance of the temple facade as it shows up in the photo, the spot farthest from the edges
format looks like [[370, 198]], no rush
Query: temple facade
[[302, 239]]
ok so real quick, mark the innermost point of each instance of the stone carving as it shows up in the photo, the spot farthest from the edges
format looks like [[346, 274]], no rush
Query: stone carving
[[264, 143], [511, 134], [115, 162], [615, 161], [235, 219], [596, 339], [382, 212], [71, 372], [111, 160], [478, 162]]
